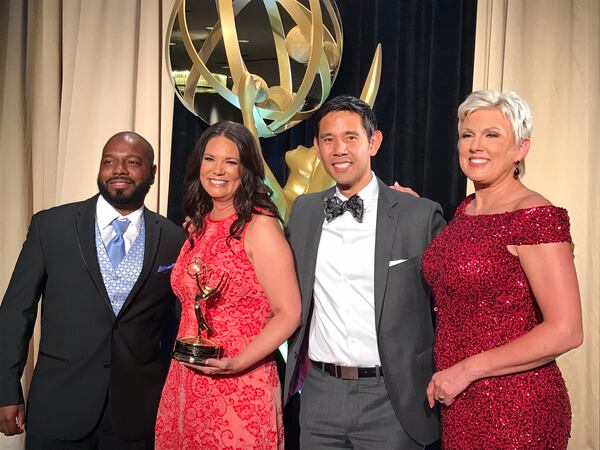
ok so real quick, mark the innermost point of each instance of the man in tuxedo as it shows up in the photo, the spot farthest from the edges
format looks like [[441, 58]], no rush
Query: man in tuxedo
[[363, 350], [101, 267]]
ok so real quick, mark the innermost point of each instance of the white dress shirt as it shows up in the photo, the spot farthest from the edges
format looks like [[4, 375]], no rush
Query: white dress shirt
[[342, 329], [105, 214]]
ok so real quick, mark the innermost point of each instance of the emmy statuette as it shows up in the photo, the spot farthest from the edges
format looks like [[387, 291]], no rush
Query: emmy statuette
[[195, 349]]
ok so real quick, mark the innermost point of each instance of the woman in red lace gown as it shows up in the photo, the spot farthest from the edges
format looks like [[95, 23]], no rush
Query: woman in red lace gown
[[235, 401], [506, 294]]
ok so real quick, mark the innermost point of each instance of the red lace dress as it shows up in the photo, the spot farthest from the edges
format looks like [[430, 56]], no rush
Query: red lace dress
[[242, 411], [483, 300]]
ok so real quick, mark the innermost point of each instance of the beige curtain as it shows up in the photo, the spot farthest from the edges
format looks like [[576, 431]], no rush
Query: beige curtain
[[548, 51], [72, 73]]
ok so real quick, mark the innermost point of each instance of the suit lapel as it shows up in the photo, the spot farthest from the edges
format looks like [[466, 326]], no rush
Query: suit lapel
[[85, 232], [313, 238], [313, 227], [152, 239], [387, 218]]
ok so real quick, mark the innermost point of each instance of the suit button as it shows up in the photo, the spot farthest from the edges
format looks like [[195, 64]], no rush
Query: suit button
[[107, 366], [115, 326]]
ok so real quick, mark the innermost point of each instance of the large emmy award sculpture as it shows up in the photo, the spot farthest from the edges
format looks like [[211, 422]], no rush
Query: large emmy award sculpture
[[268, 64]]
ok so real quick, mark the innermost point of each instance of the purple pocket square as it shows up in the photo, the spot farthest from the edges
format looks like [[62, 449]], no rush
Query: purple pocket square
[[166, 268]]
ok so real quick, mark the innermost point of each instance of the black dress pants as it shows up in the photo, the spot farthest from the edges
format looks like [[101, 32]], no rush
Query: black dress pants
[[102, 437]]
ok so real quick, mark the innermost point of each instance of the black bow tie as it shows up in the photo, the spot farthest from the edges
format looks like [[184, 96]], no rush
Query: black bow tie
[[335, 207]]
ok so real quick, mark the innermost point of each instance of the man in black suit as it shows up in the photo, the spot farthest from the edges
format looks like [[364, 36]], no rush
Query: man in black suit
[[362, 354], [102, 268]]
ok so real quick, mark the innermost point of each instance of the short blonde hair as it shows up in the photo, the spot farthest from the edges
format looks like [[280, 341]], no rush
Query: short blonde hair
[[511, 105]]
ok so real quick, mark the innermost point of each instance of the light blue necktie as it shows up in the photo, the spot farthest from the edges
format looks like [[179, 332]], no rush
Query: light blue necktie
[[116, 246]]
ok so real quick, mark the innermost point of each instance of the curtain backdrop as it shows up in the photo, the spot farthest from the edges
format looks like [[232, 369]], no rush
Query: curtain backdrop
[[549, 52], [428, 49], [72, 73]]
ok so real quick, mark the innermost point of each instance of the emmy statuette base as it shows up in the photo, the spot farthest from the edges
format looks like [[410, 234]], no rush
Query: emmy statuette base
[[194, 350]]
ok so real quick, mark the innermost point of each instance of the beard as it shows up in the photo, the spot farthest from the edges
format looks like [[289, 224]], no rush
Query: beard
[[119, 198]]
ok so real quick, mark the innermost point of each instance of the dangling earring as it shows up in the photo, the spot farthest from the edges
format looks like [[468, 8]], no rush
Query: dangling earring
[[517, 170]]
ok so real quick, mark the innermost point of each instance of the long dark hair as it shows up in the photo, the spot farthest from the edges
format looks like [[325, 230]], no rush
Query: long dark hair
[[252, 197]]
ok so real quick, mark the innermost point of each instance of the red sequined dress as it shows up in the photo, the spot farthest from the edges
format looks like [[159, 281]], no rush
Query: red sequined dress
[[221, 412], [483, 300]]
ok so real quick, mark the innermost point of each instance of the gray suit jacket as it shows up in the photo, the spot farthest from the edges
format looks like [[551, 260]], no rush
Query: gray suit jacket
[[405, 226]]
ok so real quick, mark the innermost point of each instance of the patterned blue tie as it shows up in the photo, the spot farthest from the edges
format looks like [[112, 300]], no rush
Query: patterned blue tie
[[116, 246]]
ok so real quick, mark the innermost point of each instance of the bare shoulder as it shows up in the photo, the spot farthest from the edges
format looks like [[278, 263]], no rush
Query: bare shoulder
[[261, 221], [532, 200], [264, 236], [263, 226]]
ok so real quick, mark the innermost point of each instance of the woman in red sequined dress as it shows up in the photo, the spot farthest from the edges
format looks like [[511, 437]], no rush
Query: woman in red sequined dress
[[506, 294], [233, 402]]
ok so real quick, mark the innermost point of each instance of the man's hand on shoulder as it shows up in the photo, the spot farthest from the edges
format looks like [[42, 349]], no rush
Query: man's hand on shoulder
[[12, 419], [406, 190]]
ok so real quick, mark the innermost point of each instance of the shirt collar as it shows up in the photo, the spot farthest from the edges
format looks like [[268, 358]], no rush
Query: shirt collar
[[368, 193], [105, 214]]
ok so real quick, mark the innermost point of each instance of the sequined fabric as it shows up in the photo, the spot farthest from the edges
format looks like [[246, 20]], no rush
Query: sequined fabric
[[483, 300]]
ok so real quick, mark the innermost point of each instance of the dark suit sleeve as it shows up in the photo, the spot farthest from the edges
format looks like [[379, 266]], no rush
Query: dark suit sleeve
[[17, 315], [175, 238], [291, 224], [436, 221]]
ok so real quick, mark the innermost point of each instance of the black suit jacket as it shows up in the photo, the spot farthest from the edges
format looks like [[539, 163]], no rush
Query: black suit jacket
[[402, 307], [86, 352]]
